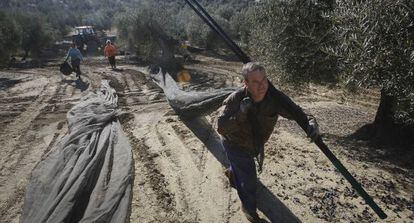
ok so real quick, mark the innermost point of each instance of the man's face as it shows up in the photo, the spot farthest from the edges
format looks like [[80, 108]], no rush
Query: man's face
[[257, 84]]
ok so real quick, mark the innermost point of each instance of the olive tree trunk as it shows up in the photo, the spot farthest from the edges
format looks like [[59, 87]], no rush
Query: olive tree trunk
[[385, 129]]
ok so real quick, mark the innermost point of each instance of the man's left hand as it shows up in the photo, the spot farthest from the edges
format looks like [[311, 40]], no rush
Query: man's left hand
[[313, 130]]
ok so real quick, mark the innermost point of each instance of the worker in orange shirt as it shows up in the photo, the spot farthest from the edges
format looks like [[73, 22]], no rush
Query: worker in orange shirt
[[110, 52]]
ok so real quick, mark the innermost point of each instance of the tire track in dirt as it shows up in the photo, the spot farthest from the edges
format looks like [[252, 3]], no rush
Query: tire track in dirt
[[189, 171], [150, 196], [199, 156], [19, 156], [38, 110], [23, 121], [151, 201], [196, 170], [202, 143], [38, 128], [173, 179], [12, 108]]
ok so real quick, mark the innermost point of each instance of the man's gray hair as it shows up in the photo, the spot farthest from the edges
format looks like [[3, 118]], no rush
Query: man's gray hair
[[250, 67]]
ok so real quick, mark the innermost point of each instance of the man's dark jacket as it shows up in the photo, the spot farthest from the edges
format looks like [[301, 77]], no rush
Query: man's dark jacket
[[239, 129]]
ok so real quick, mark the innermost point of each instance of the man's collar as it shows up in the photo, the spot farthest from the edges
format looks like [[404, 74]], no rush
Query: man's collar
[[248, 94]]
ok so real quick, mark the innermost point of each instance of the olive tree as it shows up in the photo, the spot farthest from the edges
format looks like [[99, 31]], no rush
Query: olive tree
[[291, 37], [150, 34], [9, 37], [35, 33], [376, 48]]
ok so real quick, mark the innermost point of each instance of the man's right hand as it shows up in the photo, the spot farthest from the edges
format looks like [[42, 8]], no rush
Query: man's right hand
[[313, 130], [245, 105]]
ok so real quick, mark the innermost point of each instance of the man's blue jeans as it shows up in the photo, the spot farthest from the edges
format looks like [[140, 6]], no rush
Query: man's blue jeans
[[244, 169]]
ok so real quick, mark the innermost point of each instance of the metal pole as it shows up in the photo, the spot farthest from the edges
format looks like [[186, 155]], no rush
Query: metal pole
[[214, 26]]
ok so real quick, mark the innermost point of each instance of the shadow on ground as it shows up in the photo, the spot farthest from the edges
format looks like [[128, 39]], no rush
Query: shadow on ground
[[8, 83], [117, 69], [78, 83], [367, 151], [267, 202]]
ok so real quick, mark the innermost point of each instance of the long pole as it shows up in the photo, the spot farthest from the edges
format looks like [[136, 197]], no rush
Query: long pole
[[214, 26], [319, 142]]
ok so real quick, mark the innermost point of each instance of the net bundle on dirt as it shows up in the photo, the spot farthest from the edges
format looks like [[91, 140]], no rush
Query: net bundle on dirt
[[189, 103], [87, 176]]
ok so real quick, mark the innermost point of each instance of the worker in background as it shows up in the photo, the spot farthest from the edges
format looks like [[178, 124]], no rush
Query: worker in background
[[110, 52], [75, 59]]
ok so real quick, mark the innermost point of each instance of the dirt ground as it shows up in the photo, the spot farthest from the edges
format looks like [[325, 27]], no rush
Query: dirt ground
[[179, 163]]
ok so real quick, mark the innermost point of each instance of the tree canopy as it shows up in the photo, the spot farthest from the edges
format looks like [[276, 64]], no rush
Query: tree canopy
[[350, 43]]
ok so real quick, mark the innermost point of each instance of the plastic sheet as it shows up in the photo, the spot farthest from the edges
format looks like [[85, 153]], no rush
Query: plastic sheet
[[87, 176], [190, 103]]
